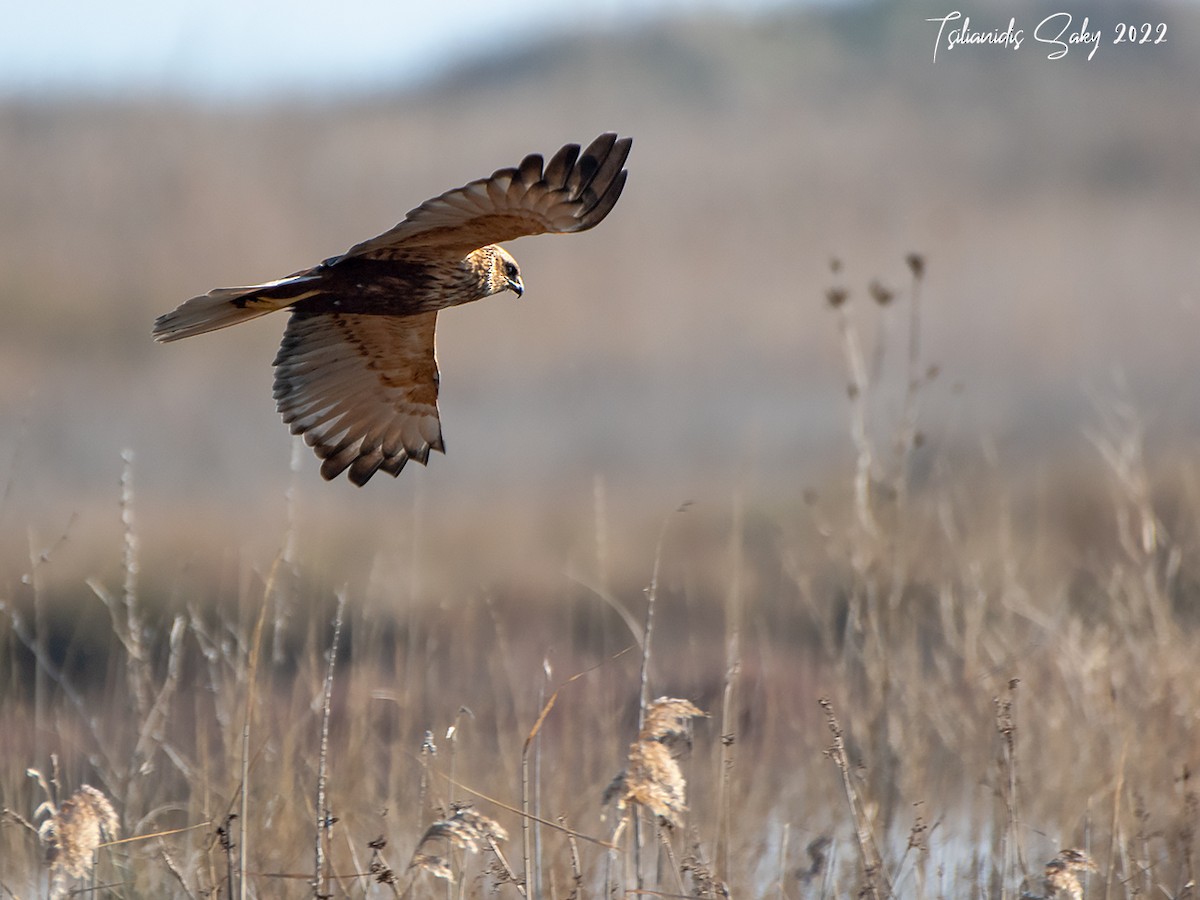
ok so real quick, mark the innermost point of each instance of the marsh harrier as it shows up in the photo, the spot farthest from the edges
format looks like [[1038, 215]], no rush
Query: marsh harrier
[[356, 373]]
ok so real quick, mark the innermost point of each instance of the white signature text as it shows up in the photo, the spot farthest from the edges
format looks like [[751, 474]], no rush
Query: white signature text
[[1060, 33]]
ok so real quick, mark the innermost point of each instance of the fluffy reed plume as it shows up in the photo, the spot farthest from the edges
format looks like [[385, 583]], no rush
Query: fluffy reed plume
[[1061, 876], [437, 866], [465, 829], [73, 832], [669, 721], [653, 779]]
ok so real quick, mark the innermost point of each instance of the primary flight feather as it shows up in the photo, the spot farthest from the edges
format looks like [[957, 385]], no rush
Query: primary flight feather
[[356, 373]]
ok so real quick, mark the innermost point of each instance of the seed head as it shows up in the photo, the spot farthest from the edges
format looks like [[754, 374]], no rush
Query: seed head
[[880, 294], [653, 778], [466, 829], [74, 831]]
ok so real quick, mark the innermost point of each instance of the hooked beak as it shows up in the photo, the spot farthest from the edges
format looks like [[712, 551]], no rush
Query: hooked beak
[[515, 285]]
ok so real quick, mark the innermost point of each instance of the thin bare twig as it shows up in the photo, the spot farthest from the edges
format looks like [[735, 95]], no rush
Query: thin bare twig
[[872, 861], [324, 819], [251, 678]]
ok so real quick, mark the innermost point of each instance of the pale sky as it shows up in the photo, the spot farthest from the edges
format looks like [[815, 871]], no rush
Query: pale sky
[[220, 49]]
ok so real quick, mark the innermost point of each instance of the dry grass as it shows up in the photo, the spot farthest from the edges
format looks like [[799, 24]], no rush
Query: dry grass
[[1003, 673]]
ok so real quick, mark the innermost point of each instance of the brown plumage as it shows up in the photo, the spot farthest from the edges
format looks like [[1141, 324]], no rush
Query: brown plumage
[[356, 373]]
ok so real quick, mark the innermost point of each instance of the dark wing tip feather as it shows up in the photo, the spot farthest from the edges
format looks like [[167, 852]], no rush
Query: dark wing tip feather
[[600, 178], [360, 461], [612, 164], [601, 146], [591, 161], [530, 169], [334, 464], [360, 468], [604, 205], [559, 167], [393, 465], [364, 467]]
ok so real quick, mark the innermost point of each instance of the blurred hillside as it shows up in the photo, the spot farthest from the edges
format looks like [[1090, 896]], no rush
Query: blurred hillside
[[682, 350]]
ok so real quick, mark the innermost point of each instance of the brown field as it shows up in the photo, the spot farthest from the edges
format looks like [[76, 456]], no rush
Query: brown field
[[980, 549]]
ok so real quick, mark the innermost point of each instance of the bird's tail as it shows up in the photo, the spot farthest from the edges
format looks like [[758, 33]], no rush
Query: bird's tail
[[228, 306]]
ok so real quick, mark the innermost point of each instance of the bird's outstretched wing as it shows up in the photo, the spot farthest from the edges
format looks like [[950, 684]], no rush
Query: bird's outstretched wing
[[362, 389], [574, 192]]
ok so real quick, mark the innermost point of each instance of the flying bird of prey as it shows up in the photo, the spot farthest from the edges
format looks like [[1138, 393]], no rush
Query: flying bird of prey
[[356, 373]]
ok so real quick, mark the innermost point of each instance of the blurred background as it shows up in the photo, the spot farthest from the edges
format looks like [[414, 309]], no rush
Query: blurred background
[[682, 352], [1028, 515]]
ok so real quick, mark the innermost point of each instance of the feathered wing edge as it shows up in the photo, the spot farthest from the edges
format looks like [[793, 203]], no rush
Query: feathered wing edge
[[597, 179], [361, 389], [574, 192]]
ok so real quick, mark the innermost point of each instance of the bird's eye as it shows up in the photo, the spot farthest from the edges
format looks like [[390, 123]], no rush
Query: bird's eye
[[510, 270]]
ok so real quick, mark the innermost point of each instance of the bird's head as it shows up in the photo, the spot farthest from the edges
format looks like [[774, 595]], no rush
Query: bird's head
[[500, 271]]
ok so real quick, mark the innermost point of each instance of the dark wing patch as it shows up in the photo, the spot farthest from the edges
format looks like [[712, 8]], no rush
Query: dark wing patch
[[362, 389], [573, 192]]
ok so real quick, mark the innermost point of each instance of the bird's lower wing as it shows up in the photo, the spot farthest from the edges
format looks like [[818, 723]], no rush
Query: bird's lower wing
[[361, 389]]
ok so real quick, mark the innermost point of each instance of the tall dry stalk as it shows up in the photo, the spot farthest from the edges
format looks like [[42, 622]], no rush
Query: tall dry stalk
[[879, 543], [528, 817], [729, 693], [228, 845], [647, 631], [857, 391], [527, 802], [134, 632], [907, 437], [324, 817], [255, 651], [152, 701], [1115, 822], [453, 733], [916, 375], [876, 883], [600, 527], [536, 886], [644, 676], [1012, 853], [37, 640], [282, 599]]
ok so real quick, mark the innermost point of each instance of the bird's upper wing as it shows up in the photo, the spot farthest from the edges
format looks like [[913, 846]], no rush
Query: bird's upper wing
[[573, 193], [362, 389]]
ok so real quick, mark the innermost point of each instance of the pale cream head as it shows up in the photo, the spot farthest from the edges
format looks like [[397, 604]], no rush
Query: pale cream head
[[497, 270]]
